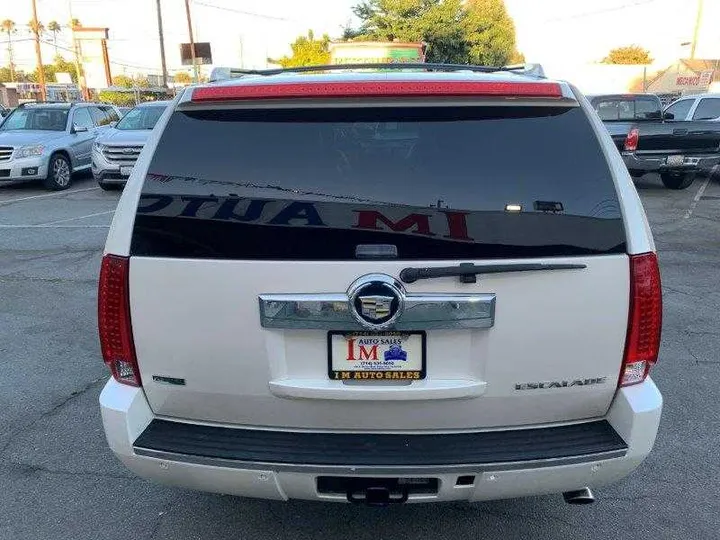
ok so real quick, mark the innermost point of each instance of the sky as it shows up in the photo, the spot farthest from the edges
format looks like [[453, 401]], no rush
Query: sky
[[246, 32]]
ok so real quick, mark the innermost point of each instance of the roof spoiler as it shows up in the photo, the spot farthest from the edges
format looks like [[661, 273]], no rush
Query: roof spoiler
[[530, 70]]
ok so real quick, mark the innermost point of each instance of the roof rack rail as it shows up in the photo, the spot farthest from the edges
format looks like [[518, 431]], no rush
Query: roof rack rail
[[224, 73], [48, 102]]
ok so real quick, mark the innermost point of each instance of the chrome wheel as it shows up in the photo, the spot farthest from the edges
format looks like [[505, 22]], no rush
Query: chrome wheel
[[61, 172]]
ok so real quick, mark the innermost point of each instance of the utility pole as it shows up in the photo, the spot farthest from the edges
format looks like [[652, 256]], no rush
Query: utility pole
[[162, 45], [192, 41], [76, 55], [38, 53], [698, 20], [11, 58]]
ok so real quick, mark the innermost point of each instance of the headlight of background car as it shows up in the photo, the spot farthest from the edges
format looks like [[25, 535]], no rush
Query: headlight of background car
[[28, 151]]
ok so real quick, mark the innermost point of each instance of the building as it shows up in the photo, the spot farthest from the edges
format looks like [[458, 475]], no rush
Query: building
[[21, 92], [684, 76], [376, 52]]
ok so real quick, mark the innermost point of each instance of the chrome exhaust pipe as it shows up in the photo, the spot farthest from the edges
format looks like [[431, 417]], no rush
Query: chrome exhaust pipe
[[579, 496]]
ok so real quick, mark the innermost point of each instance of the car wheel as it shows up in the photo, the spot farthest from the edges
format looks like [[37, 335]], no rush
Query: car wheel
[[677, 180], [59, 173], [108, 187]]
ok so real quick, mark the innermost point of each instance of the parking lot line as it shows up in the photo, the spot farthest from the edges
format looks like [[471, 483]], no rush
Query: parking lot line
[[53, 194], [78, 217], [696, 199]]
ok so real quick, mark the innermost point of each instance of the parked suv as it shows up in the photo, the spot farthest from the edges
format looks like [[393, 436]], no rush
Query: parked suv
[[116, 151], [347, 287], [50, 141]]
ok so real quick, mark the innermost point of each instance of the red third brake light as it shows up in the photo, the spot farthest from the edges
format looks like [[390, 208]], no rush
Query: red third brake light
[[335, 89], [645, 319], [116, 340], [632, 139]]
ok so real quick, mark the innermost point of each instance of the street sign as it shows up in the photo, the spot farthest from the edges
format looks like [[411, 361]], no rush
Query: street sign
[[203, 54]]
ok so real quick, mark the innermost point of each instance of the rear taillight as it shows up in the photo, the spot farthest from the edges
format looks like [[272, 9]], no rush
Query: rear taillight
[[631, 141], [116, 340], [645, 320]]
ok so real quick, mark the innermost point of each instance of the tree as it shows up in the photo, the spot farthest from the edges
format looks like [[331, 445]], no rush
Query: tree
[[62, 65], [121, 99], [17, 75], [517, 58], [141, 82], [469, 31], [8, 27], [307, 51], [75, 23], [59, 65], [436, 22], [49, 70], [5, 75], [54, 27], [490, 32], [37, 27], [123, 81], [630, 54], [182, 78]]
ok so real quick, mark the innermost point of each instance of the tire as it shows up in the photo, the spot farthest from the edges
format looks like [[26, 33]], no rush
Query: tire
[[677, 180], [59, 175], [108, 187]]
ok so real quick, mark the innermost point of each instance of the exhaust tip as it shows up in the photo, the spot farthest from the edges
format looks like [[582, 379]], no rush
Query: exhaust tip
[[579, 496]]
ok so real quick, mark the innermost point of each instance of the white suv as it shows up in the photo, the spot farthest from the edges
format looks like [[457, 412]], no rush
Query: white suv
[[381, 287]]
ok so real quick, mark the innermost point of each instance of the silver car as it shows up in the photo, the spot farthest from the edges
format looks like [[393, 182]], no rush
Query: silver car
[[50, 141], [115, 153], [696, 107]]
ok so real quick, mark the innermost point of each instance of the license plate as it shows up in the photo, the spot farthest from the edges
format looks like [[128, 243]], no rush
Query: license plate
[[675, 160], [126, 171], [368, 356]]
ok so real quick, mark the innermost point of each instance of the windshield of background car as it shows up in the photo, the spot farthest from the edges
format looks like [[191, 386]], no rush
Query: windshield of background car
[[628, 109], [141, 118], [45, 119], [441, 182]]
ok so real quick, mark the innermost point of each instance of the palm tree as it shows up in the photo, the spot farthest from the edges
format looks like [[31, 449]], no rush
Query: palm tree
[[75, 23], [54, 27], [8, 27], [36, 26]]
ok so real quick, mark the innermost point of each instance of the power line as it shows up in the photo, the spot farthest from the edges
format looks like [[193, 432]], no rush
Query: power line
[[636, 3], [242, 12]]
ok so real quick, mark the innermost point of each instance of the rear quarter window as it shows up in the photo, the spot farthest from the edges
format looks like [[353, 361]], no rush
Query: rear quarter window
[[627, 109], [440, 182]]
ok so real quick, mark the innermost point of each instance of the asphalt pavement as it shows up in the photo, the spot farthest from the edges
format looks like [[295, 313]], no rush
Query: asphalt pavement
[[58, 480]]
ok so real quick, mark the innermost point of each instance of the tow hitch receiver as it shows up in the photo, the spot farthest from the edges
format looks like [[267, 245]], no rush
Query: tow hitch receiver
[[377, 495], [377, 491]]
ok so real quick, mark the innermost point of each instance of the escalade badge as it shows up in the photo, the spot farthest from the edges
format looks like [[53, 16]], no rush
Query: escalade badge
[[541, 385], [376, 301]]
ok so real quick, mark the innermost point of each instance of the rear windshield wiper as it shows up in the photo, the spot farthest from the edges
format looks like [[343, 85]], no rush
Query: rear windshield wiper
[[467, 272]]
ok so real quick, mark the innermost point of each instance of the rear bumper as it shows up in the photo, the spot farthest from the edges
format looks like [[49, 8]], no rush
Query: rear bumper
[[284, 465], [640, 164]]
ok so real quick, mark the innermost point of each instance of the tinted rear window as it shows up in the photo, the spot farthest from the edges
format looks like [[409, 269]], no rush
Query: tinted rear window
[[619, 109], [430, 182]]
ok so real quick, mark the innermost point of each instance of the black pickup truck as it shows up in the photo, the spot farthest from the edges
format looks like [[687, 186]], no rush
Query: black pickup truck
[[651, 141]]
